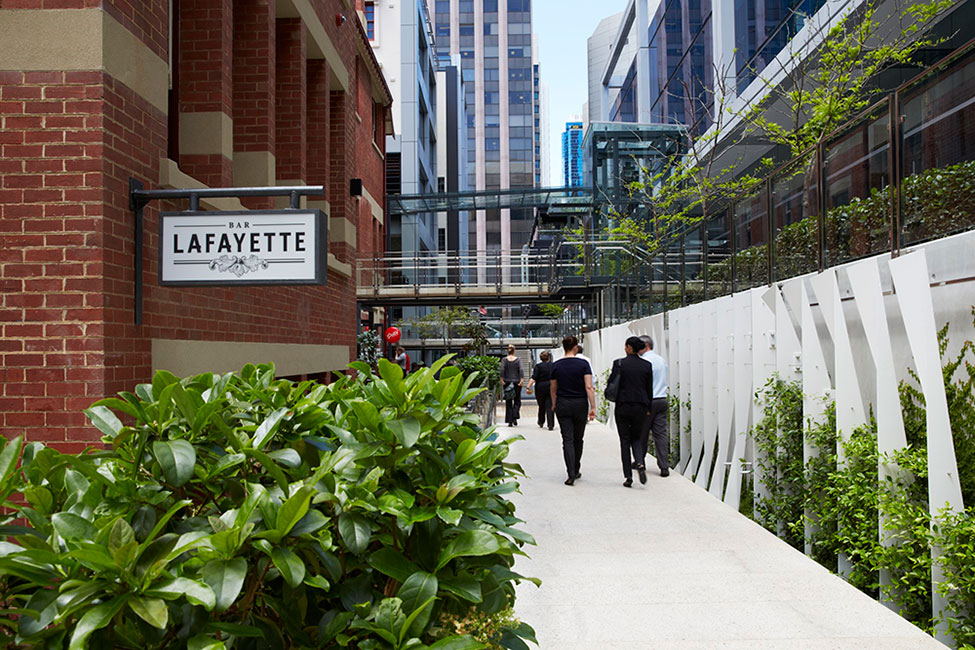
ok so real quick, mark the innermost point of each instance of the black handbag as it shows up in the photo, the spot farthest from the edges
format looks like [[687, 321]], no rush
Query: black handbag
[[613, 385], [509, 392]]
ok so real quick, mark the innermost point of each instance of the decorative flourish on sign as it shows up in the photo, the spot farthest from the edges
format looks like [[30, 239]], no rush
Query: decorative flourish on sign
[[237, 264]]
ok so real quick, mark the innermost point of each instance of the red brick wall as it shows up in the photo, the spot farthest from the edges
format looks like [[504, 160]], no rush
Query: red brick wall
[[253, 75], [68, 144], [206, 78], [291, 104]]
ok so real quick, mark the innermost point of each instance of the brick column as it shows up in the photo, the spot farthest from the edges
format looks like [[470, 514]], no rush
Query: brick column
[[206, 90], [318, 116], [253, 96], [291, 110]]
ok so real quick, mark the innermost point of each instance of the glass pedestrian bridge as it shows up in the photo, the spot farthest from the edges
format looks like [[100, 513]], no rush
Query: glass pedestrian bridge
[[568, 271]]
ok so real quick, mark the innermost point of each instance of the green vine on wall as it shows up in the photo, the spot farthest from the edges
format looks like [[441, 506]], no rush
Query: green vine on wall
[[843, 499]]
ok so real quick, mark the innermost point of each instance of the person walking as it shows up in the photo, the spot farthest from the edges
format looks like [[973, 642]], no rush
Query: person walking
[[633, 401], [580, 355], [659, 409], [572, 392], [512, 377], [542, 380]]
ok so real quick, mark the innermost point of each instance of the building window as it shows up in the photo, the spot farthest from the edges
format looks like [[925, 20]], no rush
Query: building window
[[370, 11]]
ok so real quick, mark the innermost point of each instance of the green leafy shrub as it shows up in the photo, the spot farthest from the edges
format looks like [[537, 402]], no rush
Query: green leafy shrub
[[368, 346], [247, 512], [485, 369], [936, 203], [778, 443]]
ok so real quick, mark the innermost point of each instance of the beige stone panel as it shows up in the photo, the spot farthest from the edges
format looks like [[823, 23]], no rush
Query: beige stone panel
[[131, 62], [377, 210], [320, 46], [340, 229], [172, 177], [254, 168], [82, 39], [338, 266], [206, 134], [184, 358]]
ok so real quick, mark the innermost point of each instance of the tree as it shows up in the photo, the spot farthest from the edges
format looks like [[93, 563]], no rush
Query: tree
[[446, 322], [825, 89]]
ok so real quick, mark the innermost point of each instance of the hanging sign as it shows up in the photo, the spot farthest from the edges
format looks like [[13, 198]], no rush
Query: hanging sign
[[246, 247]]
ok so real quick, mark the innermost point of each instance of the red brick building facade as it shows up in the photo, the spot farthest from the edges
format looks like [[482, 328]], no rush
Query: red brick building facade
[[177, 94]]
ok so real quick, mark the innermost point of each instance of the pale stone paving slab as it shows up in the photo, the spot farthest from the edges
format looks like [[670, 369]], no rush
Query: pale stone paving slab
[[666, 565]]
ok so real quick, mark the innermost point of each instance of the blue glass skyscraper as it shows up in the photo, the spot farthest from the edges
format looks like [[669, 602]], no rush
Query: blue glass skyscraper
[[572, 154]]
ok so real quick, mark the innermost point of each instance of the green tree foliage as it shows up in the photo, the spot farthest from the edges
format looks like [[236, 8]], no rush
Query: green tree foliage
[[448, 323], [369, 350], [242, 511], [838, 81]]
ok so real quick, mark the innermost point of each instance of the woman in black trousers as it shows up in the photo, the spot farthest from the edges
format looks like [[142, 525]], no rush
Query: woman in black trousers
[[572, 392], [512, 376], [632, 408], [541, 380]]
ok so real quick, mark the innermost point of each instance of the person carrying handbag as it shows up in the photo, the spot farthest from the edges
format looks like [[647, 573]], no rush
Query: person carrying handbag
[[631, 379], [512, 377]]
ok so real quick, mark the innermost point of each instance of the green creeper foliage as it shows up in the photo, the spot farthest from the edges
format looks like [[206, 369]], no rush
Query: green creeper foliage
[[844, 501], [241, 511]]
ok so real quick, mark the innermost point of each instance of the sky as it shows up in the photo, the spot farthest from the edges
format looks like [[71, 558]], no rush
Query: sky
[[563, 26]]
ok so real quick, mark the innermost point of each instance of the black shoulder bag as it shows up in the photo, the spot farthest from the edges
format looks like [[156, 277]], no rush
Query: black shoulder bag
[[613, 385]]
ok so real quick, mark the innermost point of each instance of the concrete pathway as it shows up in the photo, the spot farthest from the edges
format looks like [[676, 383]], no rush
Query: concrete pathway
[[666, 565]]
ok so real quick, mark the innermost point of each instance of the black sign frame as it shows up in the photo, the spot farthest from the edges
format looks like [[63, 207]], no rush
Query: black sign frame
[[320, 239]]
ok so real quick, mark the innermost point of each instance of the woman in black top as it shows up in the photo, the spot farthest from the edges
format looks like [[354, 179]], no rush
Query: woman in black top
[[512, 378], [632, 407], [541, 379], [572, 392]]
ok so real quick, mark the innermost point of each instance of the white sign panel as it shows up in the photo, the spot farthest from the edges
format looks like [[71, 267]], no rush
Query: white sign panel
[[250, 247]]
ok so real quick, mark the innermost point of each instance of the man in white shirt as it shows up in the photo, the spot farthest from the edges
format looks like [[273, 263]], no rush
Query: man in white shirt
[[580, 355], [659, 408]]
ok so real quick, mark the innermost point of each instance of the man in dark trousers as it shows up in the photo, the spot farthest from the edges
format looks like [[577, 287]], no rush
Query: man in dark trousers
[[635, 379], [659, 409], [572, 392]]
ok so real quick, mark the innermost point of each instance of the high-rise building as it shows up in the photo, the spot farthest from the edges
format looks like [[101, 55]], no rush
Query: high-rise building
[[401, 36], [669, 59], [599, 47], [453, 232], [572, 154], [493, 39]]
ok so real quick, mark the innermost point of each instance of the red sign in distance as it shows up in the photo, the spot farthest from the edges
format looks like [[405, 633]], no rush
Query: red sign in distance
[[392, 334]]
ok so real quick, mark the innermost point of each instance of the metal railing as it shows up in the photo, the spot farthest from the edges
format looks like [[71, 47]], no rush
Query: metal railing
[[899, 174]]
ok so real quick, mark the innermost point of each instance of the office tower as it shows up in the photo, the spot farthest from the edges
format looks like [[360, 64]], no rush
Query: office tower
[[572, 154], [599, 47], [668, 61], [453, 227], [401, 36], [493, 39], [540, 120]]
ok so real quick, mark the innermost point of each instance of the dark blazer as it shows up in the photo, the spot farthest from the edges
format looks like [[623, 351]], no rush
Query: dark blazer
[[636, 380]]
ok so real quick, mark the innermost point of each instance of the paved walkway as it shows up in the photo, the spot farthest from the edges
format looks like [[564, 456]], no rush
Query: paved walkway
[[666, 565]]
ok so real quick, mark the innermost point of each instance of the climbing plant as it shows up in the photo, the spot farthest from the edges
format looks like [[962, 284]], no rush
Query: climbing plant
[[778, 446]]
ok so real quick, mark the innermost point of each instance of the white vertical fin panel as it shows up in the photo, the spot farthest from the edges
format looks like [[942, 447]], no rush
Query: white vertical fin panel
[[725, 375], [910, 275], [697, 388], [742, 360], [815, 385], [763, 364], [709, 406], [868, 291], [684, 330]]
